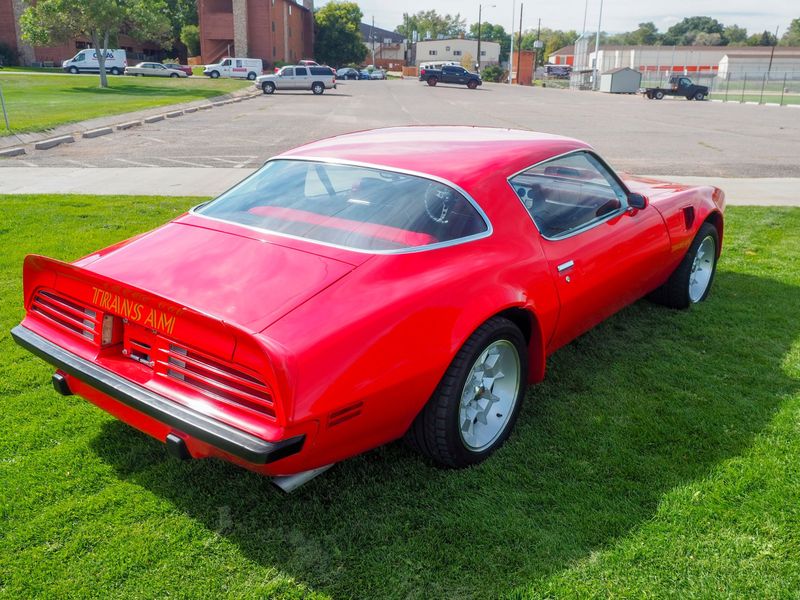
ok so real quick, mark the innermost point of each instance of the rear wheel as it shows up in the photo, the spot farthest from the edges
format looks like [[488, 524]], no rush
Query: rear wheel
[[432, 81], [659, 95], [691, 282], [472, 84], [268, 87], [251, 76], [474, 407], [115, 71], [317, 88]]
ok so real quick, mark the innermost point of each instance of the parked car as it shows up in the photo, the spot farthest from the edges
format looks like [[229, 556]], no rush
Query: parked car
[[378, 74], [678, 86], [365, 288], [152, 69], [298, 77], [347, 73], [85, 61], [364, 74], [243, 68], [450, 74], [185, 68]]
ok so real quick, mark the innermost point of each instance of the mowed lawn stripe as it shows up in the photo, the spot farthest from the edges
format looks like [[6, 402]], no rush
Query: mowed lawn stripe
[[39, 102], [659, 458]]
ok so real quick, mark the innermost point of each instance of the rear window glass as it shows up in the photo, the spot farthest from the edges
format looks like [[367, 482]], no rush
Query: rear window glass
[[350, 206], [320, 71]]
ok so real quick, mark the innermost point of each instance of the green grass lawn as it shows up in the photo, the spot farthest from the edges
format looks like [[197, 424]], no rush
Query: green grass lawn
[[661, 458], [39, 102], [771, 98]]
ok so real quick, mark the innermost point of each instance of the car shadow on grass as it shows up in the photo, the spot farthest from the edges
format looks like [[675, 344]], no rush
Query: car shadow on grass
[[650, 400]]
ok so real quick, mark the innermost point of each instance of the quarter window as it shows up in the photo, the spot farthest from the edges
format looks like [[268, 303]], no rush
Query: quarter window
[[570, 193]]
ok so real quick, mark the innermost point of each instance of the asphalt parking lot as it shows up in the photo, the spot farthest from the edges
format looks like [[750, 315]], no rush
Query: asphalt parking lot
[[665, 138]]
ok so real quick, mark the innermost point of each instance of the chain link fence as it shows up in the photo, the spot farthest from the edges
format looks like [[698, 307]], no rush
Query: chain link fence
[[758, 88]]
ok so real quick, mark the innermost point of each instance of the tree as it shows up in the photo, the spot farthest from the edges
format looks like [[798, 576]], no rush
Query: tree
[[762, 39], [430, 25], [54, 21], [707, 39], [685, 32], [735, 35], [190, 37], [553, 39], [646, 35], [493, 33], [182, 13], [792, 35], [338, 39]]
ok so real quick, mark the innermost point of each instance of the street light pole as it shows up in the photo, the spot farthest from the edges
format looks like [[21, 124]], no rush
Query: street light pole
[[478, 68], [595, 85], [511, 52]]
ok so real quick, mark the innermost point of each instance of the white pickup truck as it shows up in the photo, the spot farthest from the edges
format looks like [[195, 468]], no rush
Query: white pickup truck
[[298, 77]]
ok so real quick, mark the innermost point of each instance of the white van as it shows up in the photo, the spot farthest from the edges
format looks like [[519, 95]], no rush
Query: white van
[[245, 68], [85, 61]]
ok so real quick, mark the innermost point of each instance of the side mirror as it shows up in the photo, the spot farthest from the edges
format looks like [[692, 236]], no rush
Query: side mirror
[[637, 201]]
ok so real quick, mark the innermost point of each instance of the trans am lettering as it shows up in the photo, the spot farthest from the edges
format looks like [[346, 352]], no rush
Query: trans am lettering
[[134, 311]]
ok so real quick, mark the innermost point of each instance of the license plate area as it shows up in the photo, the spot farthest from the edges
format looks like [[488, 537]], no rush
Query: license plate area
[[139, 344]]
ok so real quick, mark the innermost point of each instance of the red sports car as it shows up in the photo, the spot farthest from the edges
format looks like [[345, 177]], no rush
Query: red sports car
[[397, 282]]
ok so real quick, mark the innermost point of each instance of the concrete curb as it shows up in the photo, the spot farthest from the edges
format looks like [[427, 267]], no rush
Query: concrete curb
[[97, 132], [173, 114], [128, 125], [9, 152], [53, 142], [154, 119]]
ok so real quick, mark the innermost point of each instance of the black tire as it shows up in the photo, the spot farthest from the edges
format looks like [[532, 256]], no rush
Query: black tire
[[675, 292], [472, 84], [251, 76], [171, 75], [658, 95], [699, 96], [432, 81], [214, 74], [318, 88], [74, 70], [115, 71], [435, 432], [268, 87]]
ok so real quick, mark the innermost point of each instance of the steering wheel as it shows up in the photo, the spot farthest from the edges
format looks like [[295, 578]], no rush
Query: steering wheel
[[438, 200]]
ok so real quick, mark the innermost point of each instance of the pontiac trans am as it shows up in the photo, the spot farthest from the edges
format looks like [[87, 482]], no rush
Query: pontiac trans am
[[402, 282]]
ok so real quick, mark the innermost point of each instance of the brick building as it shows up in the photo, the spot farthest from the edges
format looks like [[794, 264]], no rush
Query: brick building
[[272, 30], [10, 12]]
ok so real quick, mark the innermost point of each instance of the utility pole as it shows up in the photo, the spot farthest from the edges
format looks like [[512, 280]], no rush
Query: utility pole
[[478, 67], [538, 44], [595, 84], [519, 54], [511, 52], [772, 53]]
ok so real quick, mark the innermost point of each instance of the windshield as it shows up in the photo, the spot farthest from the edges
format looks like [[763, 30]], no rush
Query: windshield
[[349, 206]]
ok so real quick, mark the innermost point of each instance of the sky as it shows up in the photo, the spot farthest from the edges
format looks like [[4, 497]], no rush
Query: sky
[[618, 15]]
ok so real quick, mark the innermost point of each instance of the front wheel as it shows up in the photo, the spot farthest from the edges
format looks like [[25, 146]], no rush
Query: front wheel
[[317, 88], [472, 84], [474, 407], [214, 74], [73, 70], [268, 87], [171, 75], [433, 81], [691, 282], [699, 96]]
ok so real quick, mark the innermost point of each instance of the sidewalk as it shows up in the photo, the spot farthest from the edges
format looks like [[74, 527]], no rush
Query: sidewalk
[[188, 181]]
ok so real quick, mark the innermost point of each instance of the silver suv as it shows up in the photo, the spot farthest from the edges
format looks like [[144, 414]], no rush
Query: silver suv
[[298, 77]]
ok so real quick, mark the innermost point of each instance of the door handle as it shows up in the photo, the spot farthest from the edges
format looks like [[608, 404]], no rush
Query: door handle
[[565, 266]]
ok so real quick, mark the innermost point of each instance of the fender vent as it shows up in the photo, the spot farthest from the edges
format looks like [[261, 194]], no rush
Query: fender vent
[[688, 216], [343, 414]]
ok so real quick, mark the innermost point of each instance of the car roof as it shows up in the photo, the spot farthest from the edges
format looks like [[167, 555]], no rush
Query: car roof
[[466, 156]]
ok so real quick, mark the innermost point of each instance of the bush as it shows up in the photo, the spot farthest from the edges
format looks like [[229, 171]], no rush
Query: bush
[[190, 36], [8, 56], [493, 73]]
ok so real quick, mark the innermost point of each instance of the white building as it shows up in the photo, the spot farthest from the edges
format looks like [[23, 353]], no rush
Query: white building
[[784, 63], [456, 50]]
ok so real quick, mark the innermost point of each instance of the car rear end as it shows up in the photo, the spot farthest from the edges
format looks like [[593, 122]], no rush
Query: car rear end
[[204, 386]]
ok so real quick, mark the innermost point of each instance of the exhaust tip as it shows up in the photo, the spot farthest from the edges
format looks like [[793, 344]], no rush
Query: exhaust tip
[[60, 384], [289, 483]]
